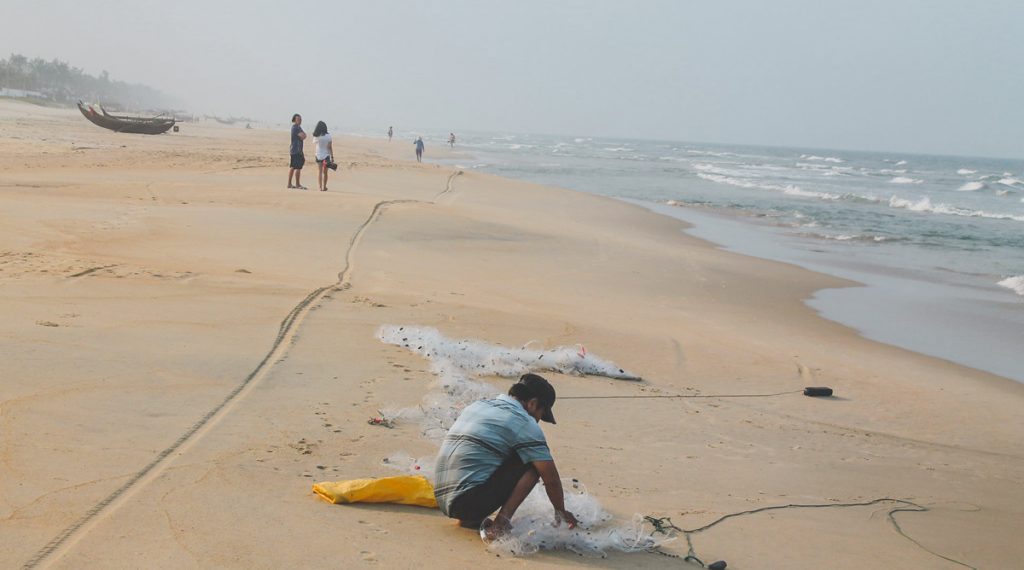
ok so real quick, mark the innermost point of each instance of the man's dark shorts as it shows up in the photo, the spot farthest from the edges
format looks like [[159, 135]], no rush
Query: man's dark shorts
[[298, 160], [479, 502]]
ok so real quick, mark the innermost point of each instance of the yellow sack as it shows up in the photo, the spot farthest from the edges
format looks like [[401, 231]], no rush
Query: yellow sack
[[404, 490]]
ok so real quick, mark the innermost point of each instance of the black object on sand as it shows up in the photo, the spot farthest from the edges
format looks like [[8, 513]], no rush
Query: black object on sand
[[720, 565], [815, 391]]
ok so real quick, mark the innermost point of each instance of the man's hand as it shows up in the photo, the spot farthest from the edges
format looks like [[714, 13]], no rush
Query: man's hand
[[566, 517]]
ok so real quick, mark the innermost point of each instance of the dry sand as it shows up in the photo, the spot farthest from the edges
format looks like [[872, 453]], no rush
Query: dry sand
[[146, 282]]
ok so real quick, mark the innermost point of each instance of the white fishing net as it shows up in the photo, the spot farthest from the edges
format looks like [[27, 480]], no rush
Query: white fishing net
[[481, 358], [533, 527], [456, 365]]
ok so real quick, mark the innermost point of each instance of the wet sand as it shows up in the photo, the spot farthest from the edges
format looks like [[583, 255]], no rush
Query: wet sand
[[188, 346]]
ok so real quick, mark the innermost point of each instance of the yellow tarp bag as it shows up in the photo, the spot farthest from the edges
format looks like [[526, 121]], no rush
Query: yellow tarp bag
[[403, 490]]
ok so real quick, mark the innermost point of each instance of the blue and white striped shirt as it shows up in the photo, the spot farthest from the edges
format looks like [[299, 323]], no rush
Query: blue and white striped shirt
[[486, 433]]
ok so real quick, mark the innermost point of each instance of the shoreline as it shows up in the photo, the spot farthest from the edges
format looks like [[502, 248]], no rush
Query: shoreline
[[957, 319], [153, 277], [879, 302]]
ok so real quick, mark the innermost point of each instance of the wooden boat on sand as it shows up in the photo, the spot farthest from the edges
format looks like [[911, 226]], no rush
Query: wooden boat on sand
[[125, 123]]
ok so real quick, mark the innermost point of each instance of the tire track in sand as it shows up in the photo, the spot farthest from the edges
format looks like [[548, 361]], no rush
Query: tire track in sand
[[287, 331]]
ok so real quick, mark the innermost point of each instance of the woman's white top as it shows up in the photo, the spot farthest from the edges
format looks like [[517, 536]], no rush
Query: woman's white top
[[323, 146]]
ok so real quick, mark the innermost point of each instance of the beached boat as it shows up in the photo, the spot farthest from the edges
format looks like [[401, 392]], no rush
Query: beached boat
[[125, 123]]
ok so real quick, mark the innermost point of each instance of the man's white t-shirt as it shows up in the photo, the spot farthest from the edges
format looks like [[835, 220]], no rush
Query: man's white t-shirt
[[323, 146]]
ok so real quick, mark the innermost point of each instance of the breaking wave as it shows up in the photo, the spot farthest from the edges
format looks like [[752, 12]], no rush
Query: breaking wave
[[821, 158], [925, 205], [1015, 284], [971, 187], [966, 171], [905, 180]]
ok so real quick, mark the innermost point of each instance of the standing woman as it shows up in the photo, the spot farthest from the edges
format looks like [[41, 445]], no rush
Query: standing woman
[[324, 153]]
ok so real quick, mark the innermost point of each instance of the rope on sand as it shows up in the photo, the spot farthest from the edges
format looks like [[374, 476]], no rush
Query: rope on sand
[[664, 525]]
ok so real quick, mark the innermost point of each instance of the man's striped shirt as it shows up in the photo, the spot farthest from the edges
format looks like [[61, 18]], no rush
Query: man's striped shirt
[[486, 433]]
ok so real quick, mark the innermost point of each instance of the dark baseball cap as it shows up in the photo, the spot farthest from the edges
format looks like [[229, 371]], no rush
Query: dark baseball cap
[[539, 388]]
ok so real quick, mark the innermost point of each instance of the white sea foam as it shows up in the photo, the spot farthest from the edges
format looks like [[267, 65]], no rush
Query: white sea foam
[[1009, 181], [971, 187], [925, 205], [905, 180], [789, 189], [901, 163], [617, 148], [966, 171], [710, 153], [893, 171], [821, 158], [1016, 284], [796, 191]]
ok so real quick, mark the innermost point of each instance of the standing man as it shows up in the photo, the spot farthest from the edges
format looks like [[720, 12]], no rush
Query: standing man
[[451, 139], [493, 456], [298, 159], [419, 149], [391, 131]]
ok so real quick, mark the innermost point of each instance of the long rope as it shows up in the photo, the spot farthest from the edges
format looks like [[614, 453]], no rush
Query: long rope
[[664, 524], [637, 397]]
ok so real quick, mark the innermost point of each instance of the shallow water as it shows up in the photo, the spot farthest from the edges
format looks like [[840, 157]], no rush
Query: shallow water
[[938, 239]]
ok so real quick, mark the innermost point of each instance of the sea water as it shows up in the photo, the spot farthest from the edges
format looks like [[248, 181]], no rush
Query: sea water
[[938, 240]]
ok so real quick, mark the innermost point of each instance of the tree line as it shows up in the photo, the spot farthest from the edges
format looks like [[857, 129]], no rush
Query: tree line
[[65, 84]]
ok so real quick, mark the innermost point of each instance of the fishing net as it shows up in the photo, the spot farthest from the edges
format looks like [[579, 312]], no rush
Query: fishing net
[[456, 365], [533, 527]]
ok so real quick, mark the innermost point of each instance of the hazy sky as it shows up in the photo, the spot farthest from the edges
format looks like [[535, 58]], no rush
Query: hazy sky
[[938, 76]]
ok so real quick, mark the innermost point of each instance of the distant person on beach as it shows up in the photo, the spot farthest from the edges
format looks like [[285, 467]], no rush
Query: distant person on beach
[[298, 159], [451, 139], [419, 149], [391, 132], [324, 153], [493, 456]]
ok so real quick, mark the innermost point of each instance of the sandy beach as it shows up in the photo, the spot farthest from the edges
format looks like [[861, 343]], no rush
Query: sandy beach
[[188, 346]]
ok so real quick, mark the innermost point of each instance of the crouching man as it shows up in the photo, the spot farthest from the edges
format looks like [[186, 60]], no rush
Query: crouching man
[[493, 456]]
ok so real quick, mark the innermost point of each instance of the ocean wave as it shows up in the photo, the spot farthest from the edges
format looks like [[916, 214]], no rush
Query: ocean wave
[[787, 189], [617, 148], [723, 179], [905, 180], [966, 171], [1015, 284], [821, 158], [852, 237], [714, 169], [901, 163], [893, 171], [797, 191], [971, 187], [710, 153], [1009, 181], [925, 205]]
